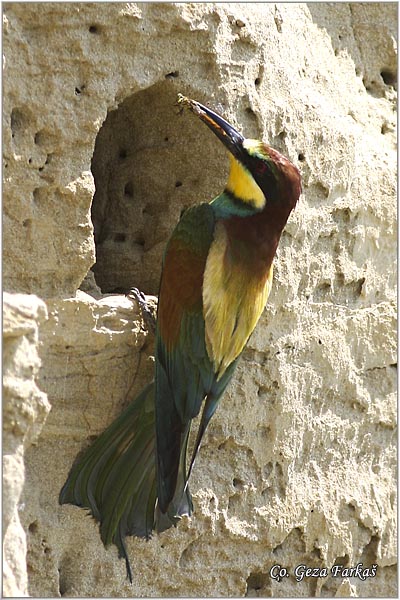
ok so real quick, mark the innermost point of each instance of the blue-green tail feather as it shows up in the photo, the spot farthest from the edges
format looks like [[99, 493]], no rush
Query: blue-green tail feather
[[115, 478]]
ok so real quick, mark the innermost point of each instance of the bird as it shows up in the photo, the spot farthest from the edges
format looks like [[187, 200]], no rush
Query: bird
[[216, 277]]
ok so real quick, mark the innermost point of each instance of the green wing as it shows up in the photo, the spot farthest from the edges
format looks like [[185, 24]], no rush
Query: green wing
[[184, 373]]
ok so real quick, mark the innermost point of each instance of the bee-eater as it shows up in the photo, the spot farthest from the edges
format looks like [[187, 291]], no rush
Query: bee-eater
[[216, 278]]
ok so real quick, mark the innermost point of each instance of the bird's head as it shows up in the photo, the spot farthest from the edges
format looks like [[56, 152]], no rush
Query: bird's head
[[259, 175]]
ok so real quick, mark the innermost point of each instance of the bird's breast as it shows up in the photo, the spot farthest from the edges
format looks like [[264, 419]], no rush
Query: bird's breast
[[236, 285]]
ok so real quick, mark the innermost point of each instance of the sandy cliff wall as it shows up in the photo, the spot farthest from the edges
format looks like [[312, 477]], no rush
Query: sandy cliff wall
[[298, 466]]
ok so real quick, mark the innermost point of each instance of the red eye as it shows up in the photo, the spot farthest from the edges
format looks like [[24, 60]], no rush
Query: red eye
[[261, 168]]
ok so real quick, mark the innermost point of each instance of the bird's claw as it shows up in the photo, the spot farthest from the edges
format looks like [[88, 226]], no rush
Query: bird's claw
[[147, 313]]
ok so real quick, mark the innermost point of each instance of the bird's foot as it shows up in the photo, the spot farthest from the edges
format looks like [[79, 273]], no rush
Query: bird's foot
[[147, 313]]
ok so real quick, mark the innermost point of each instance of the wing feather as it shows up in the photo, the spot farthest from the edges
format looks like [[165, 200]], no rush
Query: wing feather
[[184, 372]]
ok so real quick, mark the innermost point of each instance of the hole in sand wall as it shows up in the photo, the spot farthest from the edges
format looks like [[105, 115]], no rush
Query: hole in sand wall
[[143, 149]]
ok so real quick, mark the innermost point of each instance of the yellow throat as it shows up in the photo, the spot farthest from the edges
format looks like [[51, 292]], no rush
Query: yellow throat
[[242, 185]]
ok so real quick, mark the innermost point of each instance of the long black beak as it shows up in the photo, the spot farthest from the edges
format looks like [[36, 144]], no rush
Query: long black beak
[[229, 136]]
